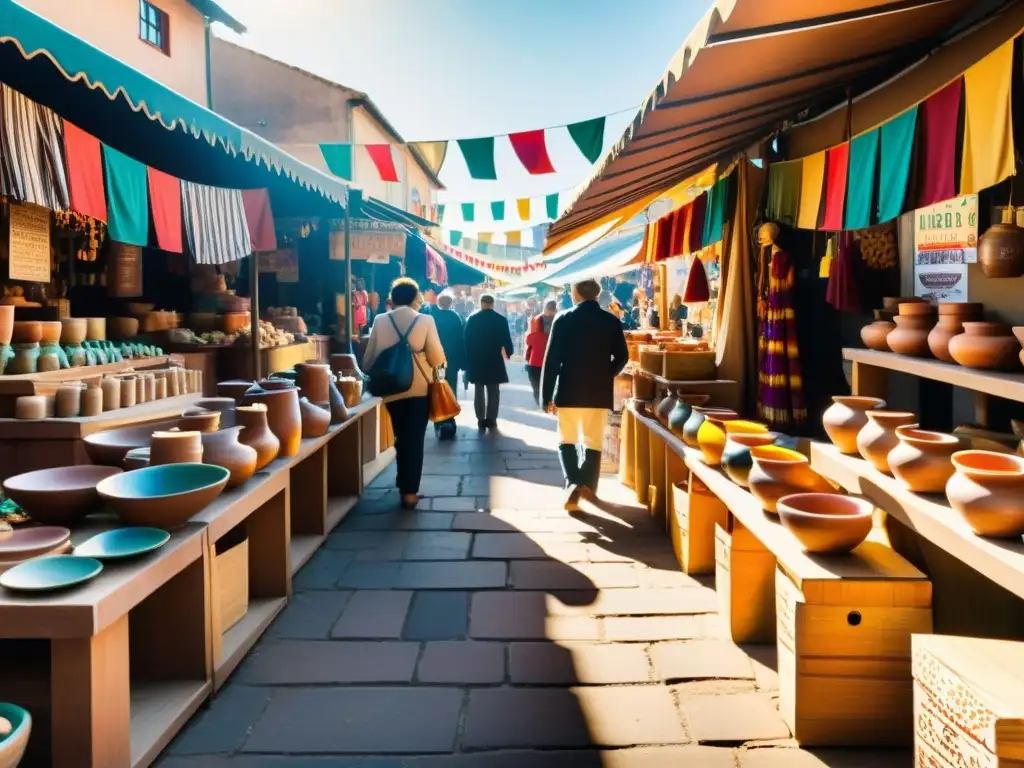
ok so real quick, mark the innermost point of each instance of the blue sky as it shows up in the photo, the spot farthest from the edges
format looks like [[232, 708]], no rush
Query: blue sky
[[444, 69]]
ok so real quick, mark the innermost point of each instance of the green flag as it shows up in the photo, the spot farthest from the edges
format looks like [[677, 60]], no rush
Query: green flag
[[440, 212], [455, 237], [339, 159], [127, 198], [469, 212], [589, 137], [498, 210], [551, 204], [479, 154]]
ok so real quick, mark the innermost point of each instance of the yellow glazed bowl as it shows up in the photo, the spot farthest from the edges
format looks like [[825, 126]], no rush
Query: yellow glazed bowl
[[711, 435]]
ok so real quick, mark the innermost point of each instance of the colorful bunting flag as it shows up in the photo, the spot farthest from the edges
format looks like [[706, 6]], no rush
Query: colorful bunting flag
[[338, 158], [860, 187], [784, 180], [589, 137], [551, 206], [695, 241], [498, 210], [440, 212], [260, 219], [127, 198], [483, 237], [165, 205], [433, 153], [479, 155], [896, 150], [469, 212], [455, 237], [937, 140], [531, 149], [812, 183], [523, 205], [384, 161], [837, 163], [988, 155], [514, 238], [85, 172]]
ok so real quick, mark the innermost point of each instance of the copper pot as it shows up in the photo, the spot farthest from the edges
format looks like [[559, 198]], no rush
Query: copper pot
[[1001, 249]]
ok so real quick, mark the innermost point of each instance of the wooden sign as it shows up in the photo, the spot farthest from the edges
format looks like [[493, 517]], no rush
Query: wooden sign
[[125, 270], [29, 243], [372, 241], [282, 262]]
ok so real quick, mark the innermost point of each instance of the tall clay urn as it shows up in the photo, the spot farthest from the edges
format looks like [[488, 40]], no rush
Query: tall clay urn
[[256, 433], [283, 415], [1001, 248], [314, 382], [223, 449]]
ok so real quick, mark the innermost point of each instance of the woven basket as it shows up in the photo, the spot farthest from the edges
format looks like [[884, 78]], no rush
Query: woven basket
[[689, 366]]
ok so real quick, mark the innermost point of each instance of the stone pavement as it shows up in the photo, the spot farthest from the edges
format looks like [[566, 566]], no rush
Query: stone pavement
[[490, 629]]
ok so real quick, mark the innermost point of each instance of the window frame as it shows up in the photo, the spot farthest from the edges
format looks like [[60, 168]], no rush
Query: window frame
[[161, 27]]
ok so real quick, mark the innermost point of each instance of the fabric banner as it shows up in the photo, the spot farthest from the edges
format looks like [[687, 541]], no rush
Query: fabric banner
[[697, 219], [127, 198], [836, 166], [860, 186], [588, 137], [812, 184], [383, 161], [718, 202], [939, 119], [896, 152], [531, 149], [260, 219], [433, 153], [479, 155], [514, 238], [440, 212], [551, 206], [784, 180], [85, 172], [338, 158], [215, 223], [498, 210], [483, 237], [454, 237], [523, 206], [988, 155], [165, 206], [469, 212]]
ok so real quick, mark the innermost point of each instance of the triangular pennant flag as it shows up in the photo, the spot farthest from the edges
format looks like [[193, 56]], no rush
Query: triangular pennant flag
[[384, 161], [479, 154], [551, 204], [440, 212], [469, 211], [483, 247], [127, 198], [514, 238], [498, 210], [696, 289], [483, 237], [589, 137], [455, 237], [524, 208], [338, 158], [532, 151], [433, 152]]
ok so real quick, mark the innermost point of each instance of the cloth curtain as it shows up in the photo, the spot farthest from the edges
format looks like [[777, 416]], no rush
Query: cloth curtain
[[784, 186], [260, 219], [215, 223], [85, 172], [28, 140], [165, 207], [939, 118], [812, 184], [988, 124], [836, 166], [127, 198], [860, 186], [896, 151]]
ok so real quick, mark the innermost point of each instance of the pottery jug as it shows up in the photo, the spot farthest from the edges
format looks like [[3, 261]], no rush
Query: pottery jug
[[984, 345], [175, 447], [878, 437], [911, 335], [987, 490], [339, 411], [952, 315], [776, 472], [315, 420], [692, 425], [712, 434], [665, 406], [283, 416], [256, 433], [874, 334], [351, 389], [685, 402], [736, 459], [1001, 248], [223, 449], [314, 381], [921, 459], [846, 417], [236, 388]]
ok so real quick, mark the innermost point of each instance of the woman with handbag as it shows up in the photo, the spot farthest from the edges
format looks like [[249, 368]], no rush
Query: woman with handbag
[[404, 347]]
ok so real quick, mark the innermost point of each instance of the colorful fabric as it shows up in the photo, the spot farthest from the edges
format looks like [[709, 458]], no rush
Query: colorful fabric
[[28, 139], [939, 119], [860, 181], [551, 206], [531, 149], [523, 206], [165, 207], [664, 238], [780, 400], [127, 198], [988, 155], [588, 137], [454, 237], [468, 211], [433, 153], [440, 212], [338, 158], [479, 155], [714, 222], [215, 223], [260, 219], [677, 238], [784, 182], [696, 288], [483, 237], [812, 184], [51, 143], [896, 152], [698, 216], [836, 166], [383, 161], [85, 172], [498, 210]]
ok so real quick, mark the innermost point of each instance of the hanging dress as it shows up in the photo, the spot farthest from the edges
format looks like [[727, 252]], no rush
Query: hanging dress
[[780, 399]]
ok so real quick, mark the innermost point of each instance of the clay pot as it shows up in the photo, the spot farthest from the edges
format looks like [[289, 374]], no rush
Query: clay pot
[[283, 416], [60, 496], [223, 449], [161, 387], [874, 334], [846, 417], [236, 389], [713, 432], [921, 459], [778, 472], [314, 381], [124, 327], [1018, 331], [984, 345], [1001, 250], [346, 363], [199, 420], [128, 391], [92, 402], [27, 332], [72, 332], [736, 459], [175, 447], [826, 523], [109, 448], [68, 401], [692, 425], [31, 407], [892, 303], [351, 389], [685, 402], [911, 334], [274, 385], [111, 389], [878, 437], [643, 407], [225, 406], [315, 420], [6, 323], [665, 407], [987, 490], [339, 410], [916, 309], [51, 331], [96, 328], [643, 387], [256, 433]]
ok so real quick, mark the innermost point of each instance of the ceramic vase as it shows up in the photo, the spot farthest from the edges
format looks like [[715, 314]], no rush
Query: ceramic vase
[[685, 402], [984, 345], [665, 406], [1001, 249], [878, 437], [712, 433], [911, 335], [874, 334], [283, 416], [175, 447], [315, 420], [827, 523], [235, 389], [987, 491], [223, 449], [256, 433], [952, 315], [339, 411], [921, 460], [776, 472], [846, 417], [736, 459], [692, 425], [6, 323], [314, 381], [351, 389]]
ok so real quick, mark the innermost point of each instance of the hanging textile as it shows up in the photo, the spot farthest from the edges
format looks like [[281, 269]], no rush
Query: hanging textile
[[338, 158], [85, 172], [718, 202], [127, 198], [784, 182], [860, 185], [663, 249], [433, 153], [680, 221], [498, 210], [383, 161], [988, 156], [812, 184], [836, 166], [28, 139], [260, 219], [468, 212], [165, 207], [939, 119], [523, 206], [588, 137], [51, 140], [896, 151], [842, 291], [531, 149], [454, 237], [780, 400], [215, 223], [698, 216], [479, 155], [551, 206]]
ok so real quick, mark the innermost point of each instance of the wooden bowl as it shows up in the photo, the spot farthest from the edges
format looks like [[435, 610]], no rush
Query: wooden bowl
[[60, 496], [27, 332], [165, 496], [73, 331]]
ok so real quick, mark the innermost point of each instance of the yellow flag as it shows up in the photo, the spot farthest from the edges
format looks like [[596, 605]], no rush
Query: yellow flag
[[483, 237], [524, 208], [812, 181], [825, 267], [514, 238], [988, 124]]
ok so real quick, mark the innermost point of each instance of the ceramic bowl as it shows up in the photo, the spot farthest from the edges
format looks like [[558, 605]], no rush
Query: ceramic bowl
[[12, 747], [109, 448], [199, 420], [61, 496], [27, 332], [32, 542], [136, 458], [45, 574], [165, 496], [826, 523], [121, 543], [73, 331]]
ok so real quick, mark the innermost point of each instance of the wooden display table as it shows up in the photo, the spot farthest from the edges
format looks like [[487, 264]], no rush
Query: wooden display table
[[723, 392]]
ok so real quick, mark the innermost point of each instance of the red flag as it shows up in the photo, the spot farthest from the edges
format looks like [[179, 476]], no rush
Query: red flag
[[382, 158], [837, 163], [85, 172], [532, 151], [165, 204], [260, 219], [938, 131]]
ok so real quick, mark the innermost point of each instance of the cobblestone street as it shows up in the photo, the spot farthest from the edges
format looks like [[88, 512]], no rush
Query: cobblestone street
[[491, 629]]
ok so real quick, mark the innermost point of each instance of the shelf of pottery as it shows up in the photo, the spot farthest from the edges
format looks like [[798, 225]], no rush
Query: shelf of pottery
[[140, 580]]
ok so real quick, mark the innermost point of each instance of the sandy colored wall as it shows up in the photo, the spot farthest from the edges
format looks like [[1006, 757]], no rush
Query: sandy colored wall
[[113, 26]]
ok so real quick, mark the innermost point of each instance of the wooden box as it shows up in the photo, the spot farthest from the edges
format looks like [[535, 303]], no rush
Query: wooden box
[[689, 366], [231, 566], [745, 583], [652, 360], [968, 702], [697, 511]]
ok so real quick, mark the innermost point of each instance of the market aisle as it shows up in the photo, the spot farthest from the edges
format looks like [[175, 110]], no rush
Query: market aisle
[[491, 623]]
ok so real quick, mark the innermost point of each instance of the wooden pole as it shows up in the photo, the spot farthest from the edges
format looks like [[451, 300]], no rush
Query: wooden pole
[[254, 314], [348, 279]]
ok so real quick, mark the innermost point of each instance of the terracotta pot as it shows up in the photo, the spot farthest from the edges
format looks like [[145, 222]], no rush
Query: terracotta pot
[[27, 332], [984, 345], [68, 401], [315, 420], [911, 335], [846, 417], [51, 331], [111, 394], [60, 496], [714, 431], [939, 336], [921, 459], [965, 310], [874, 334], [274, 385], [339, 411], [314, 381], [1018, 331], [987, 490], [283, 416], [6, 323], [175, 447], [892, 303], [72, 332], [643, 387], [223, 449], [1001, 250], [96, 328], [128, 391], [827, 523], [685, 402], [199, 420], [778, 472], [692, 425], [916, 309], [878, 437], [256, 433], [736, 459], [665, 406], [225, 406], [351, 389], [92, 402], [236, 389]]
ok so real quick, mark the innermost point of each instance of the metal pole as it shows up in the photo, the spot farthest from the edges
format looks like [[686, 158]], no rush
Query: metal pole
[[348, 281], [254, 314]]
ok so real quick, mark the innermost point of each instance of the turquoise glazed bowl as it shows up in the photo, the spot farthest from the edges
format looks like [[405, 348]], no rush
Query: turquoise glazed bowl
[[12, 747], [44, 574], [123, 542], [736, 459], [165, 496]]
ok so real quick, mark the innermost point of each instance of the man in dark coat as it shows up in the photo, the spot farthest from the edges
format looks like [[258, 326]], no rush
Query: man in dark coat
[[586, 351], [487, 337], [451, 330]]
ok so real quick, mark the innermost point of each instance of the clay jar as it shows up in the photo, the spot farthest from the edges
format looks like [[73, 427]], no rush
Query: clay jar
[[351, 389], [878, 437], [952, 315], [225, 406], [283, 415], [274, 385], [685, 402], [1001, 249], [339, 410], [846, 417], [984, 345], [874, 334], [665, 406], [643, 386], [6, 323], [346, 364], [713, 431], [175, 447], [235, 388], [199, 420], [913, 323], [223, 449], [921, 459], [987, 490], [256, 433], [314, 381], [697, 414], [315, 420], [736, 459], [778, 472]]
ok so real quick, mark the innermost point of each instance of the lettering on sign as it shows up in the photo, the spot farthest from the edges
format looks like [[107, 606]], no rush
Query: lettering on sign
[[372, 241], [283, 262], [945, 242], [29, 243]]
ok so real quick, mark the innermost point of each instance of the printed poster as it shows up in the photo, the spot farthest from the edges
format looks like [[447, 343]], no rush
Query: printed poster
[[29, 243], [945, 242]]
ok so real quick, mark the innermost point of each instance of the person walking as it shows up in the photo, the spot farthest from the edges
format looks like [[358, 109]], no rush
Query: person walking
[[488, 343], [586, 351], [451, 330], [409, 410], [537, 344]]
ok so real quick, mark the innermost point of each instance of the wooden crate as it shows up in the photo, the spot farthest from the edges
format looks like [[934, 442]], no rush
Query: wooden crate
[[697, 512], [968, 702], [689, 366], [231, 577], [658, 493], [745, 583], [627, 462]]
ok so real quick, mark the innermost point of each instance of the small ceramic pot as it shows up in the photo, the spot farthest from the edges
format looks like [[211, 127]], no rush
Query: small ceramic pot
[[161, 387], [911, 334], [339, 411], [68, 401], [984, 345], [274, 385], [713, 432], [826, 523], [128, 391], [175, 447], [1018, 331], [952, 315], [73, 331], [685, 402], [111, 389], [27, 332], [878, 437], [315, 420], [96, 328], [150, 381], [778, 472], [25, 359], [223, 449], [283, 416], [92, 401], [6, 323], [1001, 250], [141, 393], [736, 459], [874, 334], [351, 389], [51, 331], [921, 459], [697, 415], [643, 386], [643, 407], [235, 389], [225, 406], [665, 406], [256, 433], [314, 380], [31, 407], [846, 417], [987, 491], [199, 420]]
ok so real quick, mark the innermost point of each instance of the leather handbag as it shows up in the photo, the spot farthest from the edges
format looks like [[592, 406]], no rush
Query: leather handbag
[[443, 403]]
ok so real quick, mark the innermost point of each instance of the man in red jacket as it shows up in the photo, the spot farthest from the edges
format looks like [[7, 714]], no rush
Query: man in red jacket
[[537, 344]]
